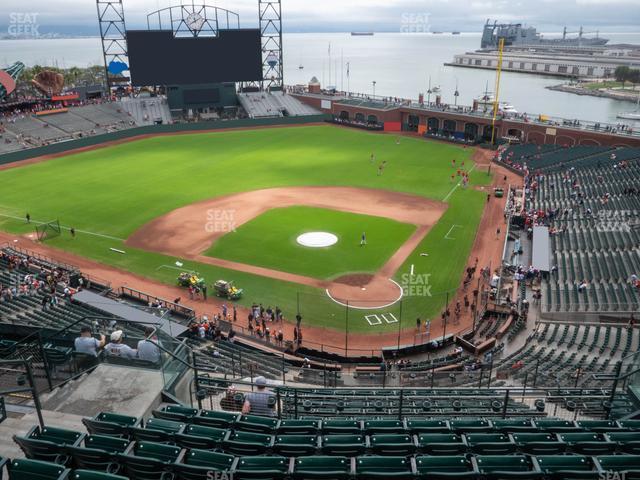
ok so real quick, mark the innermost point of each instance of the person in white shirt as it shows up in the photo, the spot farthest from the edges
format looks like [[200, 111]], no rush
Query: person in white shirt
[[118, 349]]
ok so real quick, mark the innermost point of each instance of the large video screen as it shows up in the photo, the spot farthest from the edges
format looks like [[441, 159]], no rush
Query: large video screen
[[156, 57]]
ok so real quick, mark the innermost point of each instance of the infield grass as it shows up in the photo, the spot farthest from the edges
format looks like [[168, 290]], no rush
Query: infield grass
[[270, 240]]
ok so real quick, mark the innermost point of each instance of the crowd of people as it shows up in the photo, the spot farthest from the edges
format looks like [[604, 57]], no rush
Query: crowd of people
[[30, 279]]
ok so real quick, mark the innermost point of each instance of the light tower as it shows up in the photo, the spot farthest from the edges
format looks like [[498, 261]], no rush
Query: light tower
[[113, 34], [271, 32]]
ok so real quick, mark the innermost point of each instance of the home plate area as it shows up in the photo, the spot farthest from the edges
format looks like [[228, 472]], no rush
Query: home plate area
[[380, 318]]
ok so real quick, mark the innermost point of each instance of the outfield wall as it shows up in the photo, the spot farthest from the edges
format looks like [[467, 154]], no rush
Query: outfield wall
[[131, 133]]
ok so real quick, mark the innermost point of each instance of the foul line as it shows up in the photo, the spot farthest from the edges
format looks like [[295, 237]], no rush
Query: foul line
[[447, 237], [66, 228], [457, 185]]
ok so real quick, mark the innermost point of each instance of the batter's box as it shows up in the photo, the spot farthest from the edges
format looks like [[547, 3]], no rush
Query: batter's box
[[373, 320], [389, 318]]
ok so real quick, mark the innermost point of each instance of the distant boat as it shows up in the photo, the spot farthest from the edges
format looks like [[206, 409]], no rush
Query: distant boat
[[301, 67], [361, 34], [455, 33], [635, 115], [437, 33]]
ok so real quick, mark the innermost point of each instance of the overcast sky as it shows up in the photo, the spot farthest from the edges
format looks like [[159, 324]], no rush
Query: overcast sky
[[344, 15]]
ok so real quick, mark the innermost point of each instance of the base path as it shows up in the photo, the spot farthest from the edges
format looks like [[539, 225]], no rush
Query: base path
[[189, 231]]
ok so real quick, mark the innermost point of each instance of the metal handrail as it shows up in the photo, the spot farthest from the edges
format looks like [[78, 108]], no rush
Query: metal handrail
[[32, 385]]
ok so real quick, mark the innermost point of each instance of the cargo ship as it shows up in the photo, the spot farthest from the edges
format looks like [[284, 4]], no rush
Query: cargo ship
[[361, 34], [515, 34]]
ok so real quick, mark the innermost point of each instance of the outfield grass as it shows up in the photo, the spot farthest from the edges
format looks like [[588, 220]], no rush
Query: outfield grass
[[269, 240], [115, 190]]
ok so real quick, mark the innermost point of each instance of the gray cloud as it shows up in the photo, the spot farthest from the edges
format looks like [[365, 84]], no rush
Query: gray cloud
[[340, 15]]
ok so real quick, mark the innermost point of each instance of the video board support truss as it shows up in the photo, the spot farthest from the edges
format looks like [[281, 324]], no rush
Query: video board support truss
[[191, 20], [271, 31], [113, 33]]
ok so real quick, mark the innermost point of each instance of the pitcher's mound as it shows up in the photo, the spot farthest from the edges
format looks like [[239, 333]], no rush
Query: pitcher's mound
[[317, 239], [363, 291]]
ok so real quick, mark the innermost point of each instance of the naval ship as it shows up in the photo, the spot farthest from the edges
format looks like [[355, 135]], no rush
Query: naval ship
[[518, 36]]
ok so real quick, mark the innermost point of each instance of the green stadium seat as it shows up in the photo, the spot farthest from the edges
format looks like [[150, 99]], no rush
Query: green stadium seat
[[428, 426], [159, 451], [299, 427], [157, 430], [393, 444], [99, 453], [505, 467], [261, 468], [212, 460], [42, 450], [490, 443], [148, 461], [295, 445], [512, 425], [628, 442], [199, 436], [629, 424], [470, 425], [91, 475], [59, 436], [625, 466], [597, 425], [441, 444], [255, 423], [445, 467], [321, 467], [556, 425], [372, 427], [247, 443], [26, 469], [212, 418], [345, 427], [398, 468], [177, 413], [562, 467], [48, 444], [110, 424], [588, 443], [350, 445], [539, 443]]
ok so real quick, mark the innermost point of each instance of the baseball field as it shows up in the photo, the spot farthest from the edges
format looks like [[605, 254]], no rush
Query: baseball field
[[231, 204]]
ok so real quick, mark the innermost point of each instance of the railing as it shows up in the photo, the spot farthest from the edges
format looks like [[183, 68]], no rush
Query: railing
[[392, 402], [166, 304], [17, 379]]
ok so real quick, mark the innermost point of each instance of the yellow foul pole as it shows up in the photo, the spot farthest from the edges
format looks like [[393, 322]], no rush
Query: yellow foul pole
[[497, 91]]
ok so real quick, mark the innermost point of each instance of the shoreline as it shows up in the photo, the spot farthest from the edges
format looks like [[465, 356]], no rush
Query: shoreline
[[623, 97]]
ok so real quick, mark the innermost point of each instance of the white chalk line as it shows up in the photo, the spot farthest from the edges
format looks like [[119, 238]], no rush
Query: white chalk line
[[64, 227], [457, 185]]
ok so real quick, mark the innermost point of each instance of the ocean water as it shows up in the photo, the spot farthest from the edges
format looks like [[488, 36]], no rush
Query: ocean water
[[400, 64]]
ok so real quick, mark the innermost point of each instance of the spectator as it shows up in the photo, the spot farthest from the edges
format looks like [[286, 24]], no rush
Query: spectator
[[118, 349], [260, 402], [147, 350], [87, 344]]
